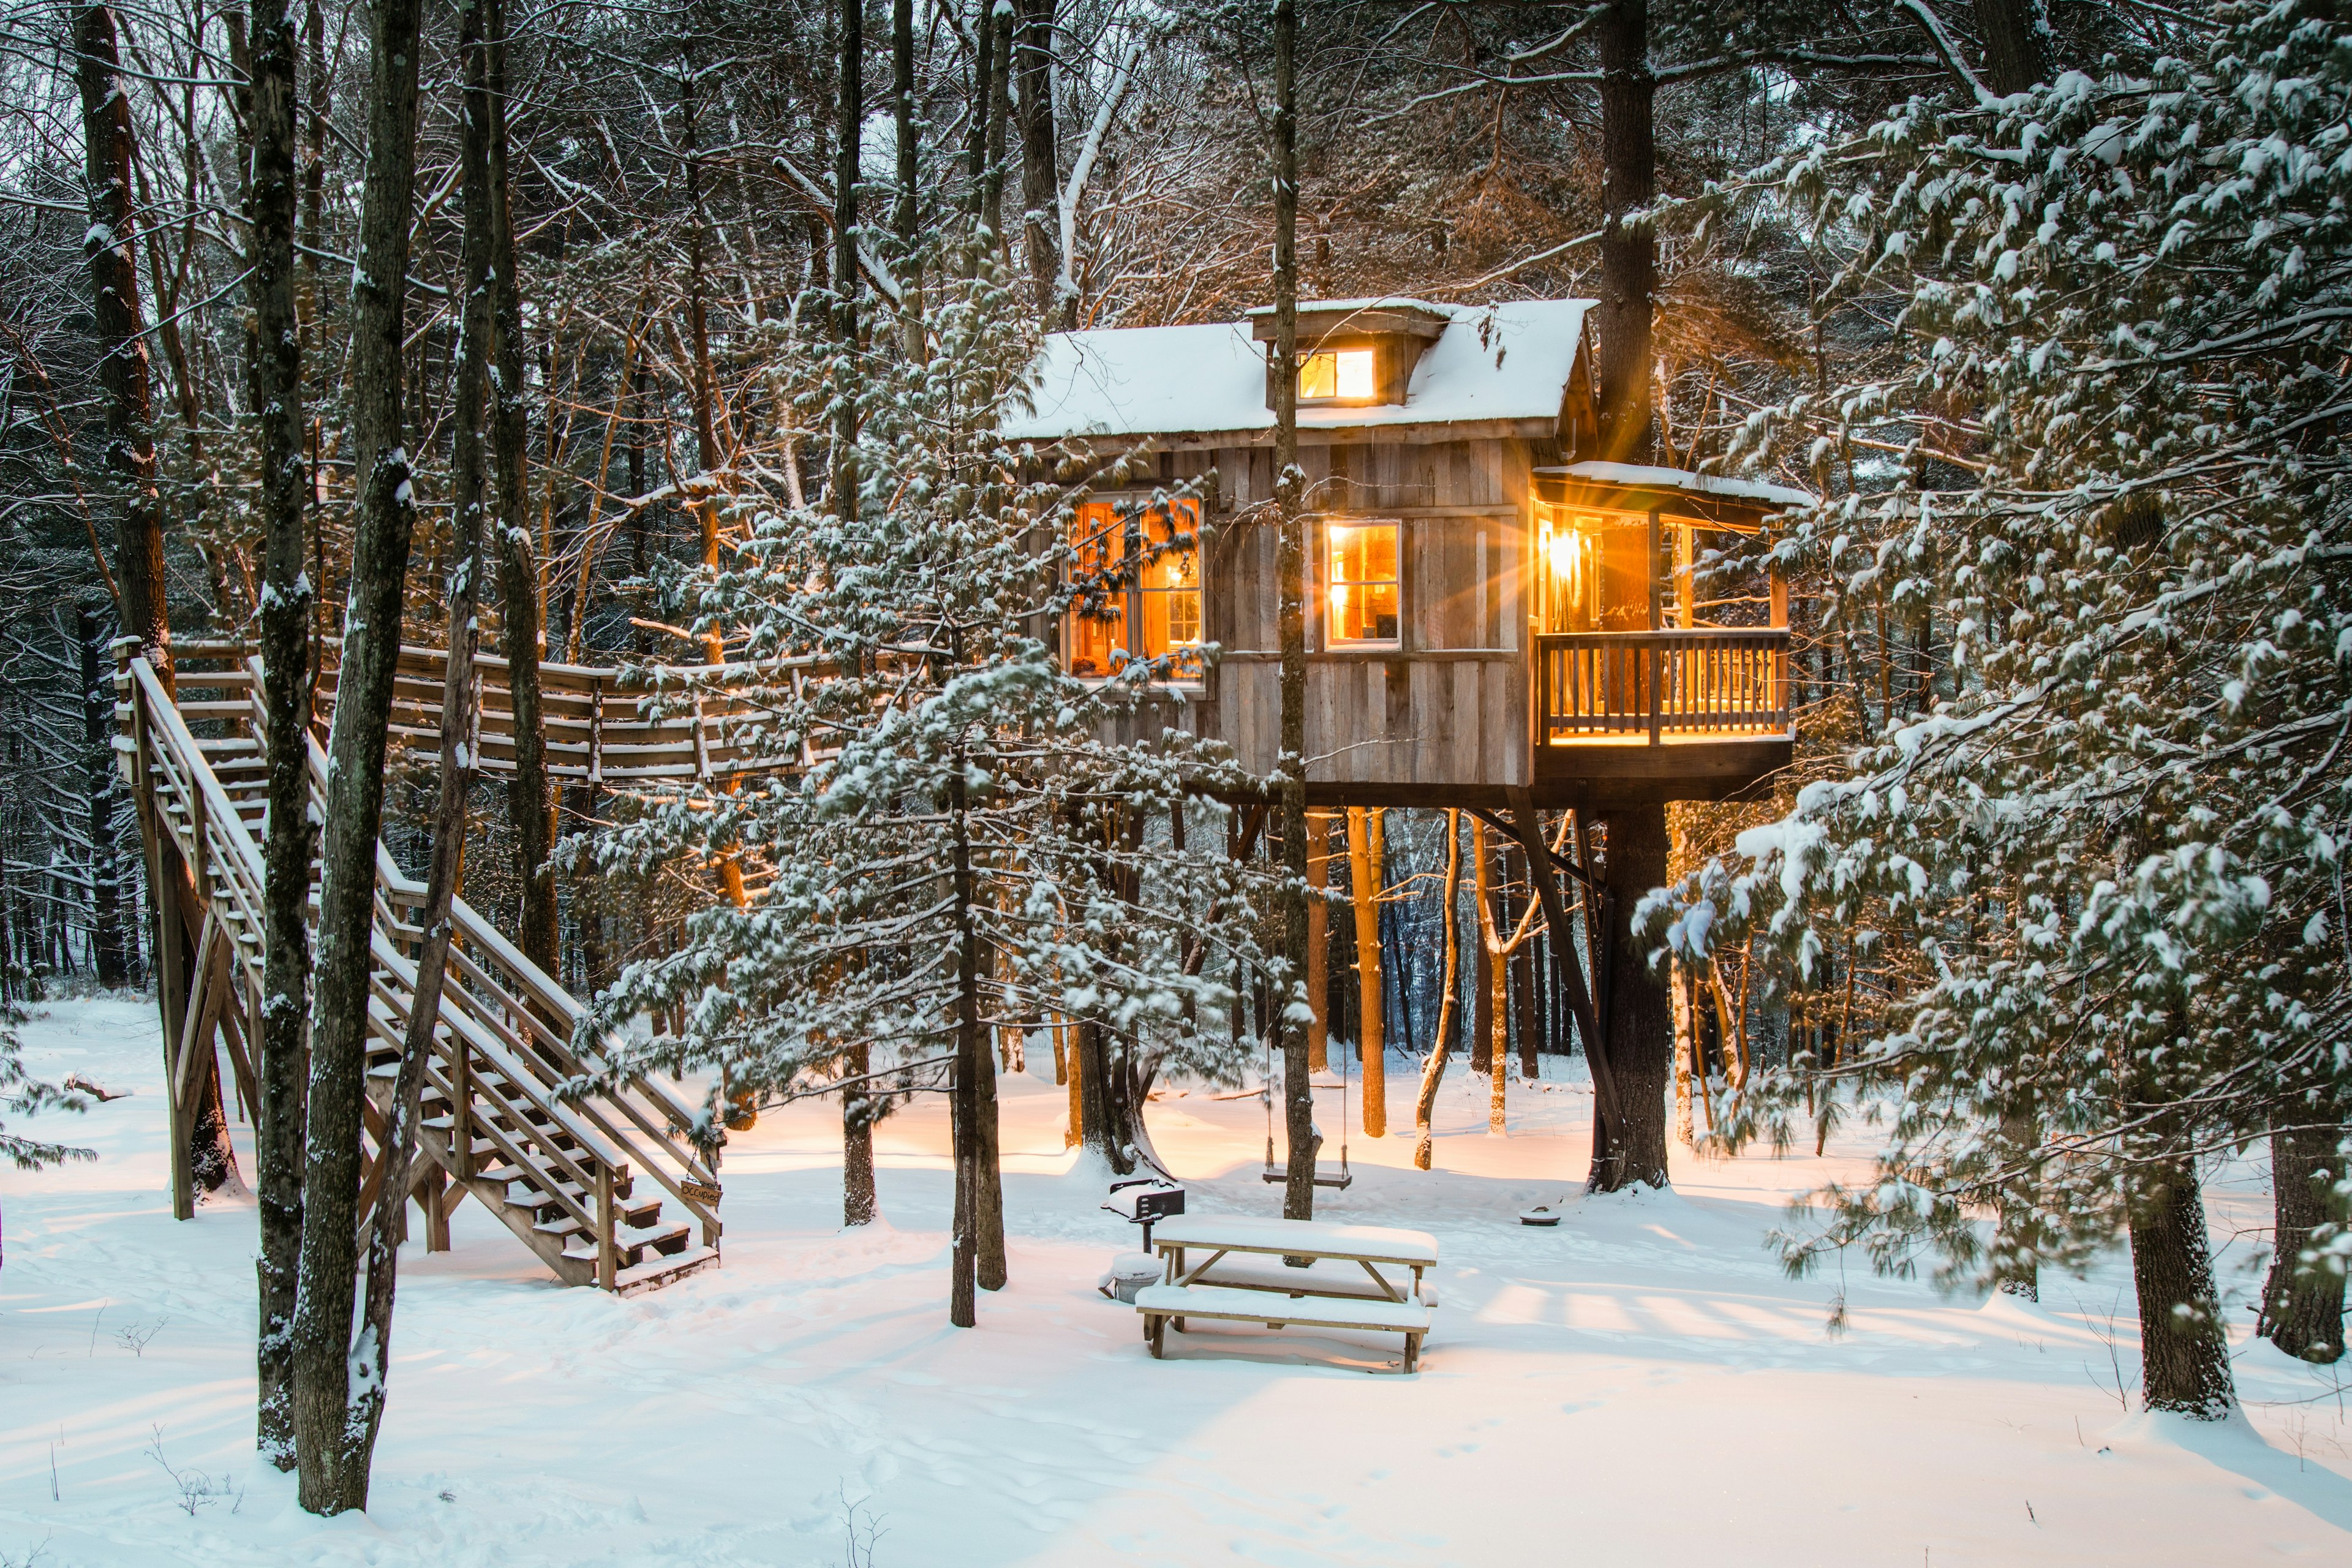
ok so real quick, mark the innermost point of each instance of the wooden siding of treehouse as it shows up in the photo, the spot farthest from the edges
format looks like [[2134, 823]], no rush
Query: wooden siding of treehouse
[[1449, 705]]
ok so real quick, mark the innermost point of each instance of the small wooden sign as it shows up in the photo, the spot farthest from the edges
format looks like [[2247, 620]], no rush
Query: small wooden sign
[[700, 1192]]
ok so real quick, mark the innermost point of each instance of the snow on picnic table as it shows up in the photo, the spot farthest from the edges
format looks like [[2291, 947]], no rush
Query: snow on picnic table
[[1639, 1385]]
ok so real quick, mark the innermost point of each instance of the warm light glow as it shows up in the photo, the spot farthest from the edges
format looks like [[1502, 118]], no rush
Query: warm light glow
[[1338, 373], [1570, 557], [1363, 587]]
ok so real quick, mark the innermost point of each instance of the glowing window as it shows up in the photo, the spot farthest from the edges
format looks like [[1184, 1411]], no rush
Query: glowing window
[[1167, 585], [1344, 374], [1138, 572], [1362, 585]]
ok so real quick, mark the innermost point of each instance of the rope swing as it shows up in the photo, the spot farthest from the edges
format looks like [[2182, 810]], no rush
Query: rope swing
[[1277, 1174]]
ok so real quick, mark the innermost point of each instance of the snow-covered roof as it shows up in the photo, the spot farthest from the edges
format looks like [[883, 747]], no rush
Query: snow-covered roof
[[1491, 362], [1634, 475], [1370, 302]]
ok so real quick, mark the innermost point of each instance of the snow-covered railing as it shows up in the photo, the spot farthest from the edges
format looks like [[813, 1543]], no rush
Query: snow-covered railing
[[1641, 688], [503, 1068]]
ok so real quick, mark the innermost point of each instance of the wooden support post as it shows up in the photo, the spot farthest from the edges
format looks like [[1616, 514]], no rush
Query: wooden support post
[[171, 986], [1365, 861], [1319, 940], [431, 1182], [461, 1107], [607, 1251]]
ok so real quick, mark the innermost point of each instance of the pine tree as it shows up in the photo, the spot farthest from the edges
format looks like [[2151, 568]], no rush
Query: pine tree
[[2094, 884], [964, 851]]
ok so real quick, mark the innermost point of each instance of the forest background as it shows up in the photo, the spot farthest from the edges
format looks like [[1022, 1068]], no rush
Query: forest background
[[683, 237]]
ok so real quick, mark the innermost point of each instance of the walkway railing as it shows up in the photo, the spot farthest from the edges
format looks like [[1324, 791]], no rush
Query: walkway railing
[[1644, 687], [502, 1121]]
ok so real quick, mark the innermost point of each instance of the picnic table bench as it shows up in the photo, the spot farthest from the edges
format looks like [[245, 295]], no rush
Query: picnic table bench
[[1355, 1276]]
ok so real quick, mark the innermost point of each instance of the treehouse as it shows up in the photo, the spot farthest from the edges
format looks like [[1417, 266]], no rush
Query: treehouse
[[1490, 611]]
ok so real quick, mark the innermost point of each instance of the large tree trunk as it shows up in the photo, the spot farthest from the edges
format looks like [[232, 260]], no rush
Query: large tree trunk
[[996, 109], [1033, 61], [459, 741], [1365, 860], [858, 1112], [2017, 41], [2303, 1302], [332, 1455], [109, 953], [1319, 940], [2017, 1235], [970, 1052], [286, 606], [1629, 249], [1298, 1090], [1629, 1147], [907, 214], [122, 372], [2184, 1350], [530, 803], [1432, 1071]]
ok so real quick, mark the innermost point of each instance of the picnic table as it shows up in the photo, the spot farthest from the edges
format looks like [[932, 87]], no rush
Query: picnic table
[[1354, 1277]]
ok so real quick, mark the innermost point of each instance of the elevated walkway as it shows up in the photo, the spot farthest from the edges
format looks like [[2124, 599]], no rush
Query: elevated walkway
[[608, 1188]]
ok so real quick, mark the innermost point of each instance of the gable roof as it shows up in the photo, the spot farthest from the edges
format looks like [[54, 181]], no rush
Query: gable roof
[[1491, 362]]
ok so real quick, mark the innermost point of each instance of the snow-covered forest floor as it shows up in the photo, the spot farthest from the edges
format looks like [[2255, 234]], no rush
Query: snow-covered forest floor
[[1640, 1384]]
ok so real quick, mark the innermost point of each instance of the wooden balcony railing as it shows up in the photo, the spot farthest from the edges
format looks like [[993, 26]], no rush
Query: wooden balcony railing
[[1644, 688]]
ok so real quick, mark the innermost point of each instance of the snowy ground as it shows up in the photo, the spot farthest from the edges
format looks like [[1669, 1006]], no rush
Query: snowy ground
[[1639, 1386]]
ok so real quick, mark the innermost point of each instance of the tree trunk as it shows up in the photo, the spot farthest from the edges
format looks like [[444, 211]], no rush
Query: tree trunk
[[1629, 1148], [907, 216], [2016, 1246], [1303, 1142], [1629, 248], [2016, 44], [1318, 940], [333, 1458], [1432, 1071], [123, 373], [988, 1170], [288, 601], [1032, 75], [530, 805], [983, 102], [963, 1120], [109, 953], [460, 735], [858, 1201], [997, 106], [2184, 1349], [2303, 1300], [1364, 861], [858, 1111]]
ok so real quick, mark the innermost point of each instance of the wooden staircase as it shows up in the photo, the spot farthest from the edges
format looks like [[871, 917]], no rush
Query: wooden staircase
[[606, 1186]]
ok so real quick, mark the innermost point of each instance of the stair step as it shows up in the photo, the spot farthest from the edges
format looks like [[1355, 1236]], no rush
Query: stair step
[[669, 1242], [667, 1270], [629, 1251]]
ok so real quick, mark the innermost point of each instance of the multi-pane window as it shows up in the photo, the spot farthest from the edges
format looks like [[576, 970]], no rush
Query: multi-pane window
[[1345, 375], [1593, 570], [1361, 582], [1139, 570]]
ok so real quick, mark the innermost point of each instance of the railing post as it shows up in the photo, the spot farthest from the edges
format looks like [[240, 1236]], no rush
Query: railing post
[[595, 730], [461, 1105], [196, 823], [607, 1252], [1657, 665]]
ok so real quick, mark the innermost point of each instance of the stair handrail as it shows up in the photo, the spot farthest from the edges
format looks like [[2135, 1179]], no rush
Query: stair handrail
[[164, 728], [484, 937]]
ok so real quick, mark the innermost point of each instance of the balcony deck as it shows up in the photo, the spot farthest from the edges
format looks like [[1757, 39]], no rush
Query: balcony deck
[[1698, 713]]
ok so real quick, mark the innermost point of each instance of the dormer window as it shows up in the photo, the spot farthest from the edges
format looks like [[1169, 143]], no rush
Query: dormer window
[[1338, 375], [1354, 353]]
